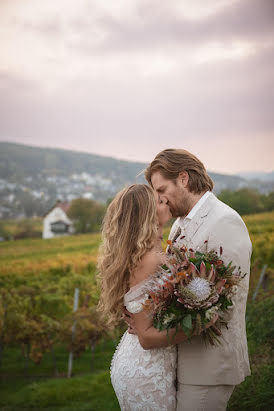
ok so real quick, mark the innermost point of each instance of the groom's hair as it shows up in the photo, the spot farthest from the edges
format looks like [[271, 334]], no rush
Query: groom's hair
[[171, 162]]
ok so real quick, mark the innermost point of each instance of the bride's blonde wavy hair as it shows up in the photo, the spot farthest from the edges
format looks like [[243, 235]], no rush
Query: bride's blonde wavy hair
[[129, 230]]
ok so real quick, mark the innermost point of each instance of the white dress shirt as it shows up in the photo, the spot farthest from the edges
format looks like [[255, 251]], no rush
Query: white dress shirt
[[184, 221]]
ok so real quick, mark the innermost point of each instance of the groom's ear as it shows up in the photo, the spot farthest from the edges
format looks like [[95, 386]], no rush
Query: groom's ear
[[183, 178]]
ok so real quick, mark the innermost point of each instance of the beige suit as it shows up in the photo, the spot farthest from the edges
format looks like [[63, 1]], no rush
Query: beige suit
[[214, 225]]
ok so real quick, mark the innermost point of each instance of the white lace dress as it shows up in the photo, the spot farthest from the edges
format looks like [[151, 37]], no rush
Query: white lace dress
[[143, 379]]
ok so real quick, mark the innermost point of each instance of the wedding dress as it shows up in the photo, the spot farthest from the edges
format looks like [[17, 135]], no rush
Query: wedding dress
[[143, 379]]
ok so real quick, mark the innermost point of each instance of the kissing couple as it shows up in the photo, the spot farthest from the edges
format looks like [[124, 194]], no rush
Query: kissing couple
[[151, 370]]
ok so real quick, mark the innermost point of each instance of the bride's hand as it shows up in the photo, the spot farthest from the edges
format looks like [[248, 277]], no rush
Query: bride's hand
[[213, 321], [129, 321]]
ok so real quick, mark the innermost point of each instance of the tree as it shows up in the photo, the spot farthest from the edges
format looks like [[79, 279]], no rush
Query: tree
[[4, 233], [245, 200], [87, 215], [109, 200], [269, 201]]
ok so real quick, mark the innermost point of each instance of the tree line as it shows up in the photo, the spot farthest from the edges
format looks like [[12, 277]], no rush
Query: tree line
[[87, 215], [247, 201]]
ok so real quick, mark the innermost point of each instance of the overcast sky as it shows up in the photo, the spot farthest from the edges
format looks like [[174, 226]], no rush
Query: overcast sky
[[128, 78]]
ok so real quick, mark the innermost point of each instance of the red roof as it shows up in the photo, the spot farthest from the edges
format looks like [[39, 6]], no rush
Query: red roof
[[63, 205]]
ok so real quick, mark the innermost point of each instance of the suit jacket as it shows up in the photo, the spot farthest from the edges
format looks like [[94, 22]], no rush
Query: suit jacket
[[215, 224]]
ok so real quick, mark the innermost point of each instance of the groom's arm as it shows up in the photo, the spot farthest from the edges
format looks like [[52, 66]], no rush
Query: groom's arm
[[231, 234]]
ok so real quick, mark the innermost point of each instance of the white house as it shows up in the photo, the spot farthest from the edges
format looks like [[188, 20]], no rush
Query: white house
[[56, 222]]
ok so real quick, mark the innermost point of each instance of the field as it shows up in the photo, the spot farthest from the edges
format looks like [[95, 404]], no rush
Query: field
[[37, 282]]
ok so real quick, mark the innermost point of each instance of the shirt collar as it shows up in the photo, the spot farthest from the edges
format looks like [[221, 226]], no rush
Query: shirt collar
[[197, 206]]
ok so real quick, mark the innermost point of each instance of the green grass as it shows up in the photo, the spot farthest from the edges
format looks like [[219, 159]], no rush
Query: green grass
[[13, 361], [260, 223], [256, 392], [89, 392], [39, 248], [86, 390]]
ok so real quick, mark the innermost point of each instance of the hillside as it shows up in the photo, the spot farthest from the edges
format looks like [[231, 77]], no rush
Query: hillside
[[32, 178], [37, 284]]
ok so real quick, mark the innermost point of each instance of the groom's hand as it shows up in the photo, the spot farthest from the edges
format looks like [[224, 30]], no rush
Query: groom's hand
[[130, 322]]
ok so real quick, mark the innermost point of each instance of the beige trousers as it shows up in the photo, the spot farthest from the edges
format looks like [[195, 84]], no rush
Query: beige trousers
[[203, 397]]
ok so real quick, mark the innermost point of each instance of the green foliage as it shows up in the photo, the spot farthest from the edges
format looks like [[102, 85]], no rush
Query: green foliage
[[94, 390], [268, 201], [187, 324], [109, 200], [260, 323], [4, 233], [256, 392], [90, 392], [247, 201], [36, 305], [41, 394], [23, 228], [87, 215]]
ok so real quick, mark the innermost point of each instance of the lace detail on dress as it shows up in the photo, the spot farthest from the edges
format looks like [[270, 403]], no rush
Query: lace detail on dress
[[134, 307], [143, 379]]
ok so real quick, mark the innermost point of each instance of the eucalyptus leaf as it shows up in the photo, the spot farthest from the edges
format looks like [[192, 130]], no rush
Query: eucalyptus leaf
[[187, 322]]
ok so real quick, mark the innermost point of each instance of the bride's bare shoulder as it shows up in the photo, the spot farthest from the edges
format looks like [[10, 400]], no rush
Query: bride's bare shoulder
[[151, 259], [147, 266]]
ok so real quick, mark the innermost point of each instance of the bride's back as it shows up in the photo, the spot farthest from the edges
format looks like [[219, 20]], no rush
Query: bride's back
[[147, 265]]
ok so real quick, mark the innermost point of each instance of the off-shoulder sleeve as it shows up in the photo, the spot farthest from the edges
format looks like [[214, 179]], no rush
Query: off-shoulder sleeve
[[137, 295], [135, 298]]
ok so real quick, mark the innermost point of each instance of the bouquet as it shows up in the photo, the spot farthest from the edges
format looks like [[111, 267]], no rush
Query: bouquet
[[190, 290]]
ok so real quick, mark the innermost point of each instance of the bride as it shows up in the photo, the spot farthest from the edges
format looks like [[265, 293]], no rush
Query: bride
[[143, 378]]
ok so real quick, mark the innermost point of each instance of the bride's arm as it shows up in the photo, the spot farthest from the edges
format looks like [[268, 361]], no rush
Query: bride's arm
[[150, 337]]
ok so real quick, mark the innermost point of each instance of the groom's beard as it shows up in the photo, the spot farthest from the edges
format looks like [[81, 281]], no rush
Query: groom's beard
[[181, 206], [179, 212]]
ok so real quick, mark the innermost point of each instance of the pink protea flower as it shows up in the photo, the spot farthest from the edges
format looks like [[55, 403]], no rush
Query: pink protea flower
[[220, 285]]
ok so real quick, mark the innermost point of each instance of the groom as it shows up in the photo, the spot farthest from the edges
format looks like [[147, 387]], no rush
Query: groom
[[206, 374]]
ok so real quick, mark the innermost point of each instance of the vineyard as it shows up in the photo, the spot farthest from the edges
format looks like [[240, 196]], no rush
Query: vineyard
[[38, 279]]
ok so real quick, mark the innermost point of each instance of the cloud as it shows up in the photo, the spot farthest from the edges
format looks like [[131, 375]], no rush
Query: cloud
[[159, 25], [113, 79], [148, 25], [225, 100], [15, 84]]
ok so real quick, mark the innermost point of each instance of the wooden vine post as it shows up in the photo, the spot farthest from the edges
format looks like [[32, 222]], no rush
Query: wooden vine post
[[75, 308], [260, 282]]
